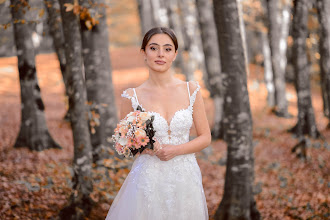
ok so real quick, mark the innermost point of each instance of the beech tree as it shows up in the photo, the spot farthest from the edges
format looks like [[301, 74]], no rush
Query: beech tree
[[98, 76], [175, 23], [238, 201], [212, 74], [56, 32], [306, 119], [80, 202], [191, 36], [33, 132], [146, 16], [323, 9], [278, 30]]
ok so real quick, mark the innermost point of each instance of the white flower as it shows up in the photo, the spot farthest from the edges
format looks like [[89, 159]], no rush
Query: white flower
[[130, 118], [145, 116], [123, 141]]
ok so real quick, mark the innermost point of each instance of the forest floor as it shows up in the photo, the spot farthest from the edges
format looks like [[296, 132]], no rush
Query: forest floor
[[36, 185]]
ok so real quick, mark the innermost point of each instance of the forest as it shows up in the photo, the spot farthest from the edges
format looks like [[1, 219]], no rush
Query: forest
[[264, 71]]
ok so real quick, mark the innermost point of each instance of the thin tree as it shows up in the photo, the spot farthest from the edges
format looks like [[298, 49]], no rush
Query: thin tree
[[306, 119], [56, 32], [323, 9], [98, 76], [80, 202], [175, 23], [33, 132], [146, 16], [277, 39], [268, 71], [212, 74], [193, 44], [238, 201], [159, 11]]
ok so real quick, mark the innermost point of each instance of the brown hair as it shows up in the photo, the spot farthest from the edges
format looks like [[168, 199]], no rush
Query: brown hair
[[159, 30]]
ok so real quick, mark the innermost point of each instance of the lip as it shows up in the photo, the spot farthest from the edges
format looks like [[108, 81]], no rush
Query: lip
[[160, 62]]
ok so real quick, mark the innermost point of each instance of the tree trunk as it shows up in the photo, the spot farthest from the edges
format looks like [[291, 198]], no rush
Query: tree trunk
[[323, 7], [56, 31], [80, 202], [193, 54], [175, 24], [238, 201], [286, 22], [98, 76], [268, 71], [278, 51], [160, 14], [146, 17], [212, 75], [33, 132], [306, 120]]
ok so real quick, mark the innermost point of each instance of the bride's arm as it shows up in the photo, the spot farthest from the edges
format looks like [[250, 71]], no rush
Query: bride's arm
[[202, 128], [203, 133]]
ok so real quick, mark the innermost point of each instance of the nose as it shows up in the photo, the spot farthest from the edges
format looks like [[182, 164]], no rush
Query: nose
[[160, 52]]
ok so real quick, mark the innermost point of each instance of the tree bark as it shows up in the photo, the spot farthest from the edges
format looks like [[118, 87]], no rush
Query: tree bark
[[306, 120], [323, 8], [80, 202], [33, 132], [212, 74], [56, 32], [238, 201], [146, 17], [98, 75], [194, 57], [278, 51], [176, 25], [160, 14], [268, 71]]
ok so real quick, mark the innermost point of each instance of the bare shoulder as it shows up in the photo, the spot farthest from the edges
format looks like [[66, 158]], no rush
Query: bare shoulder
[[193, 85], [127, 93]]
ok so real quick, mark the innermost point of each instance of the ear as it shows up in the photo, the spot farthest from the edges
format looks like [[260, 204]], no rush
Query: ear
[[176, 53], [143, 54]]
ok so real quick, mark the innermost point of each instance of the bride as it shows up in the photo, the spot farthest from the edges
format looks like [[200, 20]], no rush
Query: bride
[[165, 183]]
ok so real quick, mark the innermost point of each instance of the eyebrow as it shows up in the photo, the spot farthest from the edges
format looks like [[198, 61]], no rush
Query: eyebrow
[[163, 45]]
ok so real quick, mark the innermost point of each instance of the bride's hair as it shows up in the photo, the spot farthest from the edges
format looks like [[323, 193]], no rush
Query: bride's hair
[[159, 30]]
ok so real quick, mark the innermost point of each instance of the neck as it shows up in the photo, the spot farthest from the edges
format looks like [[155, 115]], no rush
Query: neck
[[161, 80]]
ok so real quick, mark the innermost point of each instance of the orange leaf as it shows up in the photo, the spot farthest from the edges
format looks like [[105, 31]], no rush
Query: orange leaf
[[88, 24], [69, 7], [41, 12]]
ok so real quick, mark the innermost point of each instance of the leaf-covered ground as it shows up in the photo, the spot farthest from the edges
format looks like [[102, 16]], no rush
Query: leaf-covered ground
[[36, 185]]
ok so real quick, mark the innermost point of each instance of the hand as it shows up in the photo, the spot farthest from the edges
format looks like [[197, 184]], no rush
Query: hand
[[148, 151], [166, 152]]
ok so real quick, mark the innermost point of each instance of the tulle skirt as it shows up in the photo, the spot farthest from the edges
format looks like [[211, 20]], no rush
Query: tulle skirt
[[161, 190]]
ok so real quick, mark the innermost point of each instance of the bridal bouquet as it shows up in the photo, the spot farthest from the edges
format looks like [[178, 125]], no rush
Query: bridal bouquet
[[134, 133]]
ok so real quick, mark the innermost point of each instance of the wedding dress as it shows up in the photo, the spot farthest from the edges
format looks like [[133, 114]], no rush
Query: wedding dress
[[163, 190]]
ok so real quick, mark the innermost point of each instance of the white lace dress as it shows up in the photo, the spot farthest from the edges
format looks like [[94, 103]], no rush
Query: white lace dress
[[163, 190]]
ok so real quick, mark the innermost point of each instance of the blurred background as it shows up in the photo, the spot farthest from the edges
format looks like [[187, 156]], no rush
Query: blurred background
[[277, 50]]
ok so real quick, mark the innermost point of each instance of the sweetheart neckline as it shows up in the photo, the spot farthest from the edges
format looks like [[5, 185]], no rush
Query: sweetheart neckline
[[168, 124]]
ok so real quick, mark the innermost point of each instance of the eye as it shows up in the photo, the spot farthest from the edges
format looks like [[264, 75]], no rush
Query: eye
[[153, 48], [168, 49]]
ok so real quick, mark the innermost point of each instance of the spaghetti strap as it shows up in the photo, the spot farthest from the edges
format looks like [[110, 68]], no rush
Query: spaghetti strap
[[133, 99], [136, 96], [193, 96], [188, 89]]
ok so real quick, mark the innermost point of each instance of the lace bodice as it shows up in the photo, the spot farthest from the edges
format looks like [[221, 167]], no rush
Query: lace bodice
[[177, 130]]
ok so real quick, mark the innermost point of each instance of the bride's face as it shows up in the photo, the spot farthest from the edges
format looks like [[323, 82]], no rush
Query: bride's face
[[160, 53]]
